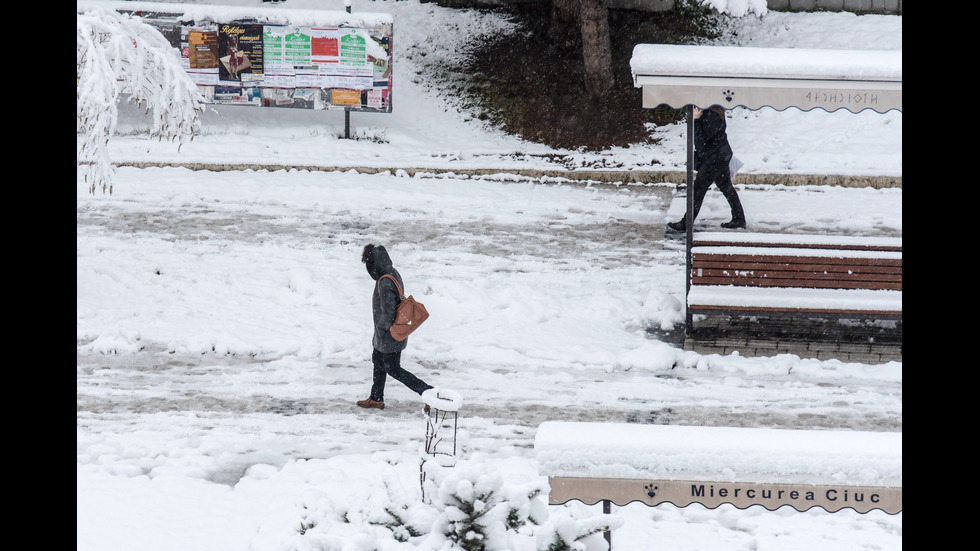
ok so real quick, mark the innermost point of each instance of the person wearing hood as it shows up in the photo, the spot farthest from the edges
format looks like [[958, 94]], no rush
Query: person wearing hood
[[387, 351], [712, 156]]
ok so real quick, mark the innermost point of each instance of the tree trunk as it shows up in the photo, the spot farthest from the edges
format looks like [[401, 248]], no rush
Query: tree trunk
[[596, 49]]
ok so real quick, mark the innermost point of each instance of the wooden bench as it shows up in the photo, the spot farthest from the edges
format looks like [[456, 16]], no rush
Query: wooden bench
[[654, 464], [757, 274]]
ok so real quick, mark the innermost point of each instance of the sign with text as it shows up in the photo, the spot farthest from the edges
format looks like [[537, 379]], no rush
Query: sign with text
[[712, 494], [757, 93]]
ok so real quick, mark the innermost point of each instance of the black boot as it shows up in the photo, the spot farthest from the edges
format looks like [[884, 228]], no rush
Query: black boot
[[734, 224], [680, 225]]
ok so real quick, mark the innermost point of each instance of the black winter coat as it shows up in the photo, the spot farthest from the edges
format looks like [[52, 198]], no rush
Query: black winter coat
[[384, 300], [711, 140]]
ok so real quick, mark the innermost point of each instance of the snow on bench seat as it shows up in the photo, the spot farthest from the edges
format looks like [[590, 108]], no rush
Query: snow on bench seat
[[714, 465], [747, 250], [800, 240], [730, 297]]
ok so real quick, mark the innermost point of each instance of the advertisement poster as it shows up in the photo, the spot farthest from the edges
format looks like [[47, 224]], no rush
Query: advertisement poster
[[341, 96], [202, 49], [240, 53], [382, 69], [199, 54], [354, 55], [296, 48], [295, 98], [238, 95], [325, 46]]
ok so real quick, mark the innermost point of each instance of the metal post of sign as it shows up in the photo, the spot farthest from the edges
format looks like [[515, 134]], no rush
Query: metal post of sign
[[689, 219], [606, 509], [347, 4]]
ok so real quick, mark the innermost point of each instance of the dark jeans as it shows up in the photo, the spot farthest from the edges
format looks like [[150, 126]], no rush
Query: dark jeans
[[719, 175], [390, 364]]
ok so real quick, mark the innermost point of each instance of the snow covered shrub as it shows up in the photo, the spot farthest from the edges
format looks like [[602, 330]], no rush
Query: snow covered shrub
[[479, 511], [117, 54], [472, 516], [372, 522], [404, 515], [565, 533], [469, 507]]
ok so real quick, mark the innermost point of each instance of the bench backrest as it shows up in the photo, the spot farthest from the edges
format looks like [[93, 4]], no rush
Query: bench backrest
[[818, 262]]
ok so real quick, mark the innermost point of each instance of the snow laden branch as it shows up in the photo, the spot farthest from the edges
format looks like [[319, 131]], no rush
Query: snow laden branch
[[116, 55]]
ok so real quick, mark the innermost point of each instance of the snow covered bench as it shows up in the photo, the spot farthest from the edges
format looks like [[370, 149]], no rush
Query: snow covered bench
[[774, 274], [655, 464]]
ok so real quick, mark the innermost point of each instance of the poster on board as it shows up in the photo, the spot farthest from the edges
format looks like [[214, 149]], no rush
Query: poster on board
[[240, 54]]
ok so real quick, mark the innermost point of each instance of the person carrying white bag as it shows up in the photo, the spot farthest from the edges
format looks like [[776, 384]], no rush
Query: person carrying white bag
[[714, 163]]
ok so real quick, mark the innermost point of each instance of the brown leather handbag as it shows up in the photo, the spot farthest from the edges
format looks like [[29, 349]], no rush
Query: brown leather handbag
[[409, 314]]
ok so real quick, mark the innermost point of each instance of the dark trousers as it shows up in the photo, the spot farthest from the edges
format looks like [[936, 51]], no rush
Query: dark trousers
[[390, 364], [719, 175]]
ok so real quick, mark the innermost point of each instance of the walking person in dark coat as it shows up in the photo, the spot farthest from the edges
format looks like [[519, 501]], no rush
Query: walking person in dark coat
[[387, 351], [712, 155]]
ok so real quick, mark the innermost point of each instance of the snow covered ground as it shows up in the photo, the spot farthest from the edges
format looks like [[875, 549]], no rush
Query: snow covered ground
[[223, 318]]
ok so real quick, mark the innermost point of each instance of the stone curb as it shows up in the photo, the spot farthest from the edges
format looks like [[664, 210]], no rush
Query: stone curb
[[602, 176]]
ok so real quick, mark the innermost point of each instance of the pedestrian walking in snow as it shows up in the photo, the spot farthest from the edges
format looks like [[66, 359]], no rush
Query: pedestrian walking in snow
[[712, 156], [387, 352]]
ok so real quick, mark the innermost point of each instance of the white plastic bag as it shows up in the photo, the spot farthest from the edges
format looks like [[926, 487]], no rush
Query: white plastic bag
[[734, 165]]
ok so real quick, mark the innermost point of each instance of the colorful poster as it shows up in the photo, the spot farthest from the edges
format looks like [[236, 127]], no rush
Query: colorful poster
[[341, 96], [325, 45], [199, 54], [202, 49], [376, 99], [382, 69], [273, 48], [353, 52], [238, 95], [296, 47], [295, 98], [240, 53]]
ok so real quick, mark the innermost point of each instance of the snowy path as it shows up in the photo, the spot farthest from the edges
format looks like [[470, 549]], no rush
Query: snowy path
[[291, 411], [177, 409]]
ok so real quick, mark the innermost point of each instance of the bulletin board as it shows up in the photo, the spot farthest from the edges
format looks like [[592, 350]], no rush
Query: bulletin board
[[325, 64]]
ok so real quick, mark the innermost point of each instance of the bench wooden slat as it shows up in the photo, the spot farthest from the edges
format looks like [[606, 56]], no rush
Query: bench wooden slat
[[777, 310], [811, 283], [753, 265], [788, 271], [748, 264], [708, 243], [791, 256]]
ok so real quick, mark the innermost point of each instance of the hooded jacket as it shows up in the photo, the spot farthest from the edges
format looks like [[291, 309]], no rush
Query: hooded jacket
[[384, 301], [711, 140]]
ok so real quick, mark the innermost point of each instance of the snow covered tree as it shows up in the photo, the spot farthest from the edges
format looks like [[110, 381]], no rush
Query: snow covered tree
[[119, 55]]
